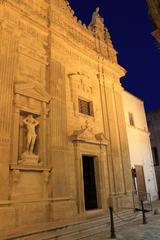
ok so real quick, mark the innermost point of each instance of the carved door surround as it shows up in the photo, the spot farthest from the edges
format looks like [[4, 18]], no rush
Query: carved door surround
[[86, 143], [30, 99]]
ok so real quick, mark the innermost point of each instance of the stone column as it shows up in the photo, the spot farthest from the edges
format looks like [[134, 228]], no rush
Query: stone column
[[122, 132], [7, 70]]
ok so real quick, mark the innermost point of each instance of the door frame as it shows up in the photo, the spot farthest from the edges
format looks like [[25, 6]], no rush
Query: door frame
[[97, 181]]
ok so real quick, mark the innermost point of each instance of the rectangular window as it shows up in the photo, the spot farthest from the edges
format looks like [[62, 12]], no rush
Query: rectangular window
[[85, 107], [131, 119]]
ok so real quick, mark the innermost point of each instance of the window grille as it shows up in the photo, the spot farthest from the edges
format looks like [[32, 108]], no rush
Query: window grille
[[85, 107]]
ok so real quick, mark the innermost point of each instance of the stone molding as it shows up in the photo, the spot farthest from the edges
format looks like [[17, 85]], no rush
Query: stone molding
[[32, 90], [86, 135]]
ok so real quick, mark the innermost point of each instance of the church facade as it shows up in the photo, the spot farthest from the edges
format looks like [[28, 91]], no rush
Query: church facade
[[63, 139]]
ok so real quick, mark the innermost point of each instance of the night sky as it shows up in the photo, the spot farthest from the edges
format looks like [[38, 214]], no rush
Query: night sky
[[130, 27]]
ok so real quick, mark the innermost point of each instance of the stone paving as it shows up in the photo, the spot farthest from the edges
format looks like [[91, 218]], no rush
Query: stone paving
[[135, 230]]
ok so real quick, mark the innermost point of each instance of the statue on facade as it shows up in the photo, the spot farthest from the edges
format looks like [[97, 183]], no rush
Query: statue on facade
[[96, 16], [31, 124], [107, 34]]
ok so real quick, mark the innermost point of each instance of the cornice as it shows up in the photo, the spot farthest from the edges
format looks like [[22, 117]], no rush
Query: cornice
[[91, 54]]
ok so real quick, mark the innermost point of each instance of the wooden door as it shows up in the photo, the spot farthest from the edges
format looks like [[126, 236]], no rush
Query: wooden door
[[141, 186]]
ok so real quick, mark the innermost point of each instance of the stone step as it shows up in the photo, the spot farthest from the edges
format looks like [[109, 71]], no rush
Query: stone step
[[79, 230]]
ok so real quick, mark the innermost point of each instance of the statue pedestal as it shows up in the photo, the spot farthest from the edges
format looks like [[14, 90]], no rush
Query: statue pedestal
[[29, 159]]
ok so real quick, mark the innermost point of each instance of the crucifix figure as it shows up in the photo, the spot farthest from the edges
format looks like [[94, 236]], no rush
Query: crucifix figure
[[31, 124]]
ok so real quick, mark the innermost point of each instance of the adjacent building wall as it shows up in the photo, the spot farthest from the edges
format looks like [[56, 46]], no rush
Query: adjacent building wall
[[139, 141], [153, 120]]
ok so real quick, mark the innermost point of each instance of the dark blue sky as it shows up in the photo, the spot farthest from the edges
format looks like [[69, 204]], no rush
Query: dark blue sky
[[130, 26]]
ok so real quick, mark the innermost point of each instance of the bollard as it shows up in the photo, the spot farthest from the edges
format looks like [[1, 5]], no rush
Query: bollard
[[113, 234], [143, 213]]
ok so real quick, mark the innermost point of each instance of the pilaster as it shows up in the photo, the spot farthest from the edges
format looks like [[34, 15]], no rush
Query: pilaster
[[122, 132], [106, 132], [8, 61], [115, 165]]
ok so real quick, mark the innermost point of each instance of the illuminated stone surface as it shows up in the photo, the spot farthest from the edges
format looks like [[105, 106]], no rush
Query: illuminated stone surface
[[139, 145], [48, 61]]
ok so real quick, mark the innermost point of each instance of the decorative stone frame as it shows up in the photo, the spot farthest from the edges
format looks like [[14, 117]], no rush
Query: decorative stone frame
[[32, 99], [86, 143], [80, 88]]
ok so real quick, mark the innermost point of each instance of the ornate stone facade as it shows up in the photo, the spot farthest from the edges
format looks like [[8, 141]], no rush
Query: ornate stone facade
[[49, 62]]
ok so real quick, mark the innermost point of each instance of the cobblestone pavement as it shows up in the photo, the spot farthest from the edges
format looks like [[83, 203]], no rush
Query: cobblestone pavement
[[135, 230]]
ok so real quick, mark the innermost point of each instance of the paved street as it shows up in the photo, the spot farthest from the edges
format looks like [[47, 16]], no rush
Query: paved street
[[135, 230]]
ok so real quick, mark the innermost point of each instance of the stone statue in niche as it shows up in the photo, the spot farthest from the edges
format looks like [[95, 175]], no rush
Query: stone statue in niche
[[31, 124], [28, 157]]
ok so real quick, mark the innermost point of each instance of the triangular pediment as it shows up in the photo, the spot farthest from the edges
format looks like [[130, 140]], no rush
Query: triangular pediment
[[32, 90], [83, 134], [86, 135]]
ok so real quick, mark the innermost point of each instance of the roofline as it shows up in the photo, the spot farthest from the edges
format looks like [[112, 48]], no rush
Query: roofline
[[134, 96]]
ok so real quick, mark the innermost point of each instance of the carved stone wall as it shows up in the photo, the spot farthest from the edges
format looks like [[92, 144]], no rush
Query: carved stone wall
[[49, 61], [8, 63]]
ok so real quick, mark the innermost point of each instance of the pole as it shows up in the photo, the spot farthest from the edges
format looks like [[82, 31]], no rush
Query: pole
[[113, 234], [143, 213]]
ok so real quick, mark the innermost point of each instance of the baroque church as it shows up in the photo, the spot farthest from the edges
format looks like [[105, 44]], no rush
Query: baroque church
[[63, 141]]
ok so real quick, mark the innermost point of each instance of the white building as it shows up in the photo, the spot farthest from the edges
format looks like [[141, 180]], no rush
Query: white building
[[142, 165]]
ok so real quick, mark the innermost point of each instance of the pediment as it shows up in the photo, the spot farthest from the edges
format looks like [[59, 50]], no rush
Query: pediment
[[32, 90], [86, 135], [83, 134]]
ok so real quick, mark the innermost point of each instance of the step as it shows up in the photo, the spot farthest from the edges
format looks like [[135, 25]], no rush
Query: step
[[78, 230]]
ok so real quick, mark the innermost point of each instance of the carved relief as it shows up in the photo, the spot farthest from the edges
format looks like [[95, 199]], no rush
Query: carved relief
[[34, 8], [86, 134], [79, 86], [15, 178]]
